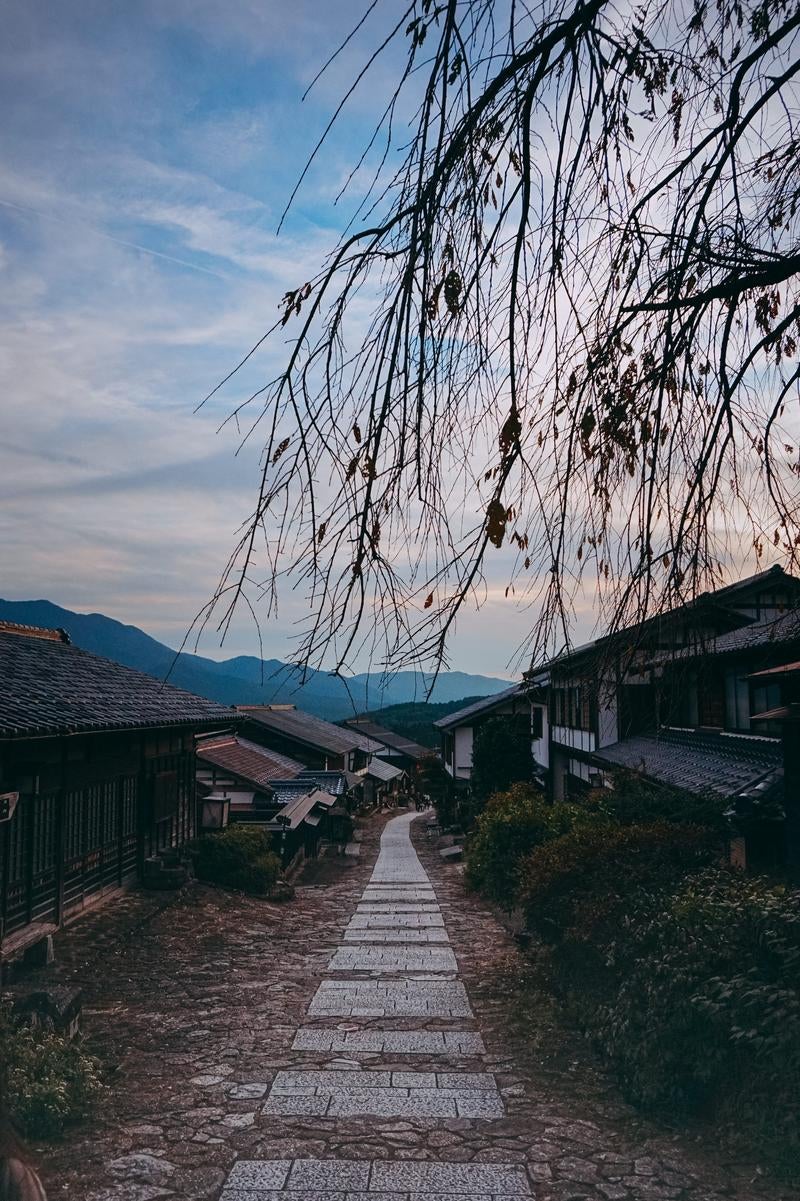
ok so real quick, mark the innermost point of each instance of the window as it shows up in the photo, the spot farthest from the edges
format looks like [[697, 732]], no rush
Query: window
[[537, 722]]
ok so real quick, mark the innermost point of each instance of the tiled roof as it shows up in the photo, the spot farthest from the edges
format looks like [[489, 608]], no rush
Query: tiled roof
[[721, 602], [719, 764], [482, 706], [783, 629], [52, 687], [337, 783], [729, 592], [247, 760], [390, 738], [307, 729], [298, 807], [381, 771]]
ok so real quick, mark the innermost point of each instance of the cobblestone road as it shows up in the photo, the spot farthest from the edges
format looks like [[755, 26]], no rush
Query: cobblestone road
[[255, 1063]]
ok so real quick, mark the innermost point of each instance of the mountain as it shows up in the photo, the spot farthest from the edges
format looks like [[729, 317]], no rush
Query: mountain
[[245, 679]]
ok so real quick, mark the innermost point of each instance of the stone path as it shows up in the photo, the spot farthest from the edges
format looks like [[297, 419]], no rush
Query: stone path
[[403, 977]]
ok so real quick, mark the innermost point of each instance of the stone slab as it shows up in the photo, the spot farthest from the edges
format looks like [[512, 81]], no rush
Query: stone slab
[[376, 908], [389, 1103], [448, 1178], [419, 936], [393, 1042], [393, 959], [394, 998], [352, 1092], [393, 920], [374, 1180]]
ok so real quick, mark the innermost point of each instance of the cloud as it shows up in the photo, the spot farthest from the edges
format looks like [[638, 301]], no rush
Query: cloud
[[148, 152]]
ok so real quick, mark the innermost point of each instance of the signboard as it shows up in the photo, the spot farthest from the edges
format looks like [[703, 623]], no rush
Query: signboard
[[8, 803]]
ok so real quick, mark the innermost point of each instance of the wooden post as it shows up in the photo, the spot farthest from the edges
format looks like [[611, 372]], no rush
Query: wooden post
[[791, 785], [60, 839]]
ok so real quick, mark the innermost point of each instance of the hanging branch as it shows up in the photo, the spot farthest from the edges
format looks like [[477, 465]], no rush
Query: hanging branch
[[569, 326]]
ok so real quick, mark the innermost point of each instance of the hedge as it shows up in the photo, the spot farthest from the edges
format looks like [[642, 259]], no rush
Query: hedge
[[240, 857]]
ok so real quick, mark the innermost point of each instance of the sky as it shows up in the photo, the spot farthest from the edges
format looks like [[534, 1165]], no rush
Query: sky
[[147, 151]]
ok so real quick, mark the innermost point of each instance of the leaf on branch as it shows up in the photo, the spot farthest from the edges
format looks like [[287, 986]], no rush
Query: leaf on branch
[[428, 601], [455, 68], [452, 291], [497, 517]]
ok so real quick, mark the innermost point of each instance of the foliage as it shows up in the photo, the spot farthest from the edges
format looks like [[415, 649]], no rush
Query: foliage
[[580, 341], [580, 884], [501, 754], [240, 857], [708, 1007], [48, 1081], [635, 800], [433, 781], [511, 824]]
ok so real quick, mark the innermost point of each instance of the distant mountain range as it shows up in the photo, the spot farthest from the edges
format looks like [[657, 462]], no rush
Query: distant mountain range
[[245, 679]]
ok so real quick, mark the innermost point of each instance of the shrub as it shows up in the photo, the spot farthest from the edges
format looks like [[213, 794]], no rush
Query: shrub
[[511, 825], [635, 800], [47, 1081], [240, 857], [708, 1013], [582, 882]]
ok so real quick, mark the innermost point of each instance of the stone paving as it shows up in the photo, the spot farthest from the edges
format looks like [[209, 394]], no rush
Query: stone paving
[[351, 1091], [205, 1007]]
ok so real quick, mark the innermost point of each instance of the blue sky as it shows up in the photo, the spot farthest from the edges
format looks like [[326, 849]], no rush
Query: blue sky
[[146, 154]]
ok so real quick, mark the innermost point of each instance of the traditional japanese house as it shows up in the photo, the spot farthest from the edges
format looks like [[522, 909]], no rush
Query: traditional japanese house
[[383, 782], [233, 767], [679, 669], [97, 774], [314, 742], [457, 730], [395, 748]]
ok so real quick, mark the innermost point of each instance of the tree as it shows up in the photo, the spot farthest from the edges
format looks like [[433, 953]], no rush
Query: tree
[[565, 322], [501, 755], [434, 782]]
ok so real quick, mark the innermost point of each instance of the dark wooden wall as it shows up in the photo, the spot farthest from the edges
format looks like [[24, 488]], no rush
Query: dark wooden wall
[[92, 807]]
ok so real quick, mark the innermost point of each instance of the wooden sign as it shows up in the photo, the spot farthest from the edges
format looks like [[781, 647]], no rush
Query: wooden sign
[[8, 803]]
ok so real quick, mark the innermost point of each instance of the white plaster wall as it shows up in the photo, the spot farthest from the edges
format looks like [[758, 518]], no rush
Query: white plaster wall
[[580, 769], [463, 752], [579, 740], [607, 724]]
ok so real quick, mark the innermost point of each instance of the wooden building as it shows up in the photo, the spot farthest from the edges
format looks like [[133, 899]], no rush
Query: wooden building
[[97, 773], [316, 743], [243, 771], [396, 749]]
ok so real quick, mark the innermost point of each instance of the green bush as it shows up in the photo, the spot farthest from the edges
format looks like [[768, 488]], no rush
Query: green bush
[[580, 884], [708, 1012], [48, 1082], [511, 825], [635, 800], [240, 857]]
